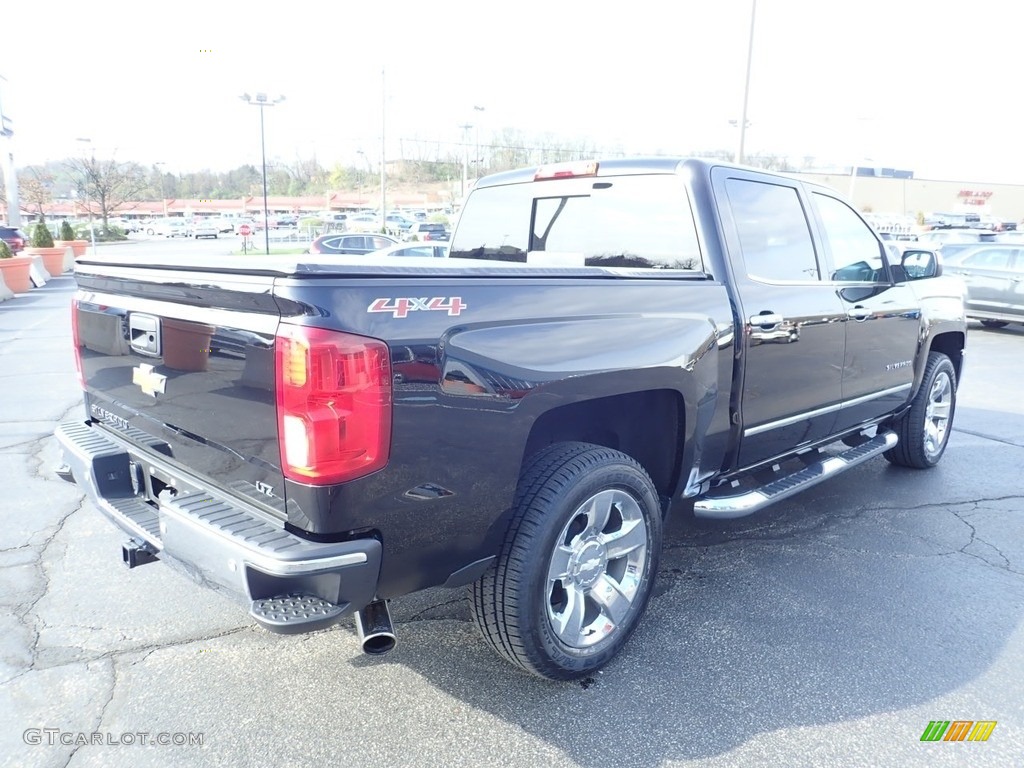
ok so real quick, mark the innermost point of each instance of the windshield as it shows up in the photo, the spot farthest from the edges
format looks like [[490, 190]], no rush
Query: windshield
[[635, 222]]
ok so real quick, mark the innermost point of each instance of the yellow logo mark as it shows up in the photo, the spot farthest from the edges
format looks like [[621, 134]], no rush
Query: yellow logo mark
[[148, 380]]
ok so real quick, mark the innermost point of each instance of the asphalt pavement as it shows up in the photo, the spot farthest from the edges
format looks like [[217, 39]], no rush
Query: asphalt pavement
[[828, 630]]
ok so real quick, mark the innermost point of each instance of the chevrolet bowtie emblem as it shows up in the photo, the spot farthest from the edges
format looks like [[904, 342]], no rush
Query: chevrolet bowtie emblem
[[148, 381]]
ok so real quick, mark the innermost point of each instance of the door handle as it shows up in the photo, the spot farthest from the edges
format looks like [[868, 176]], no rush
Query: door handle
[[859, 314], [766, 319]]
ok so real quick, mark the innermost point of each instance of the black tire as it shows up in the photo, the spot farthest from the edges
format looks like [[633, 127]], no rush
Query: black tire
[[994, 323], [924, 430], [564, 494]]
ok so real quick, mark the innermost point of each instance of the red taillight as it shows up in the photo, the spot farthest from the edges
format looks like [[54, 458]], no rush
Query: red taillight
[[333, 404], [77, 344]]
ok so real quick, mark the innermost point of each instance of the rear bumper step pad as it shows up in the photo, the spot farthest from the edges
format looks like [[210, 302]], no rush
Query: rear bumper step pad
[[289, 583]]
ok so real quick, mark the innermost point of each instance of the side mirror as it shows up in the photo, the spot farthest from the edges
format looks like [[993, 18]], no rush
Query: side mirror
[[919, 265]]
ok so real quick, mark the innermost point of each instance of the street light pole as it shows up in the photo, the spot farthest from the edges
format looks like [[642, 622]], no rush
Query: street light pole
[[383, 152], [260, 100], [9, 175]]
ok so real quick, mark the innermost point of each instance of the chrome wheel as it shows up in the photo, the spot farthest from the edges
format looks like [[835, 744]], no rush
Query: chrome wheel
[[596, 568], [937, 414]]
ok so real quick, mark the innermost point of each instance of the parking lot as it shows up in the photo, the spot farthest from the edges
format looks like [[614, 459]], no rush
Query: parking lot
[[828, 630]]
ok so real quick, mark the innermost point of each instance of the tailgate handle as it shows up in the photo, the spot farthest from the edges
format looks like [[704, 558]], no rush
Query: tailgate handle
[[144, 332]]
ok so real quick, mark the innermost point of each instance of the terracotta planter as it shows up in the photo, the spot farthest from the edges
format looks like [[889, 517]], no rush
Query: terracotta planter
[[78, 246], [53, 259], [186, 345], [15, 272]]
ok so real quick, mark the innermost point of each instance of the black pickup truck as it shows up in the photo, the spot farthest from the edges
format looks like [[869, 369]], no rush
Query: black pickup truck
[[607, 343]]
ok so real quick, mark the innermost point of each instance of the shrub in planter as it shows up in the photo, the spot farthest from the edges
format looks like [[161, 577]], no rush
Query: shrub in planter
[[68, 239], [15, 269], [41, 237], [41, 244]]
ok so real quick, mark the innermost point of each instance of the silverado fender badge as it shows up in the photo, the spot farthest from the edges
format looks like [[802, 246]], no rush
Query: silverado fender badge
[[148, 380], [453, 305]]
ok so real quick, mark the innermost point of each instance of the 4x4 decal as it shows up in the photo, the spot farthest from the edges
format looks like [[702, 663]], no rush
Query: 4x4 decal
[[401, 307]]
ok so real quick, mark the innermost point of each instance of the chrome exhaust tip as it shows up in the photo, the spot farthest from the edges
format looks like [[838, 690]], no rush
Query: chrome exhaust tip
[[375, 630]]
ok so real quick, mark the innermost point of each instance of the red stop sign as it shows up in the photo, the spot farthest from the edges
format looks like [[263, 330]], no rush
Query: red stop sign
[[244, 230]]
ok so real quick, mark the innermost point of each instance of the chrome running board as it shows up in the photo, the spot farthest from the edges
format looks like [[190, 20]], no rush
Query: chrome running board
[[748, 502]]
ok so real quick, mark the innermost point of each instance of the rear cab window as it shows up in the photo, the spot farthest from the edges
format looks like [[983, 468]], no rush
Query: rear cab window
[[630, 222]]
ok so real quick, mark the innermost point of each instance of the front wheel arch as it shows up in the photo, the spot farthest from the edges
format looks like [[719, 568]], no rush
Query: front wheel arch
[[924, 430]]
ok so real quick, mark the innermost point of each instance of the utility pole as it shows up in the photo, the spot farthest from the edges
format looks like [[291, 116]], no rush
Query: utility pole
[[476, 158], [746, 85], [465, 156]]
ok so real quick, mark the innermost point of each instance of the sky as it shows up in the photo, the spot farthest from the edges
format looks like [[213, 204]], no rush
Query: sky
[[933, 87]]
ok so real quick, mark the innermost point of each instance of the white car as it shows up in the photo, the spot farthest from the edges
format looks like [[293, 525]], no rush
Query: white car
[[205, 228], [363, 223], [168, 228], [435, 249]]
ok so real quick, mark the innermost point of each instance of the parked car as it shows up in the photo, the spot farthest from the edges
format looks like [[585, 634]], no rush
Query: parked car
[[363, 222], [205, 228], [936, 237], [224, 224], [170, 227], [14, 238], [425, 230], [994, 275], [125, 225], [397, 224], [346, 242], [436, 249]]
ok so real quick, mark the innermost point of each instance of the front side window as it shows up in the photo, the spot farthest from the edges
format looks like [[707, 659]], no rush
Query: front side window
[[773, 231], [856, 252], [635, 222]]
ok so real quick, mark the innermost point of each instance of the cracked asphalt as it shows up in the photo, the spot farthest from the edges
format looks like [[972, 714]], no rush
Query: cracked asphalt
[[828, 630]]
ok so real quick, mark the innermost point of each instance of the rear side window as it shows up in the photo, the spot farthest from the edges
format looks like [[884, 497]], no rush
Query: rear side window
[[773, 231], [990, 258], [635, 222]]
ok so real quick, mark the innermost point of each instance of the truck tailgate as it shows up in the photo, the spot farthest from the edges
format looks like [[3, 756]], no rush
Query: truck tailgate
[[181, 363]]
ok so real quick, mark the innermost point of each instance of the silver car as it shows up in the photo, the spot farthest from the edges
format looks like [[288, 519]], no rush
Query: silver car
[[994, 276]]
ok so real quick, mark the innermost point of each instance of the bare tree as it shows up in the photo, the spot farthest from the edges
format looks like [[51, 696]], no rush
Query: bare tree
[[36, 187], [104, 185]]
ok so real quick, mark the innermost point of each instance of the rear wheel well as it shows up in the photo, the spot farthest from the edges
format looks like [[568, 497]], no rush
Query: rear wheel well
[[952, 346], [644, 425]]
